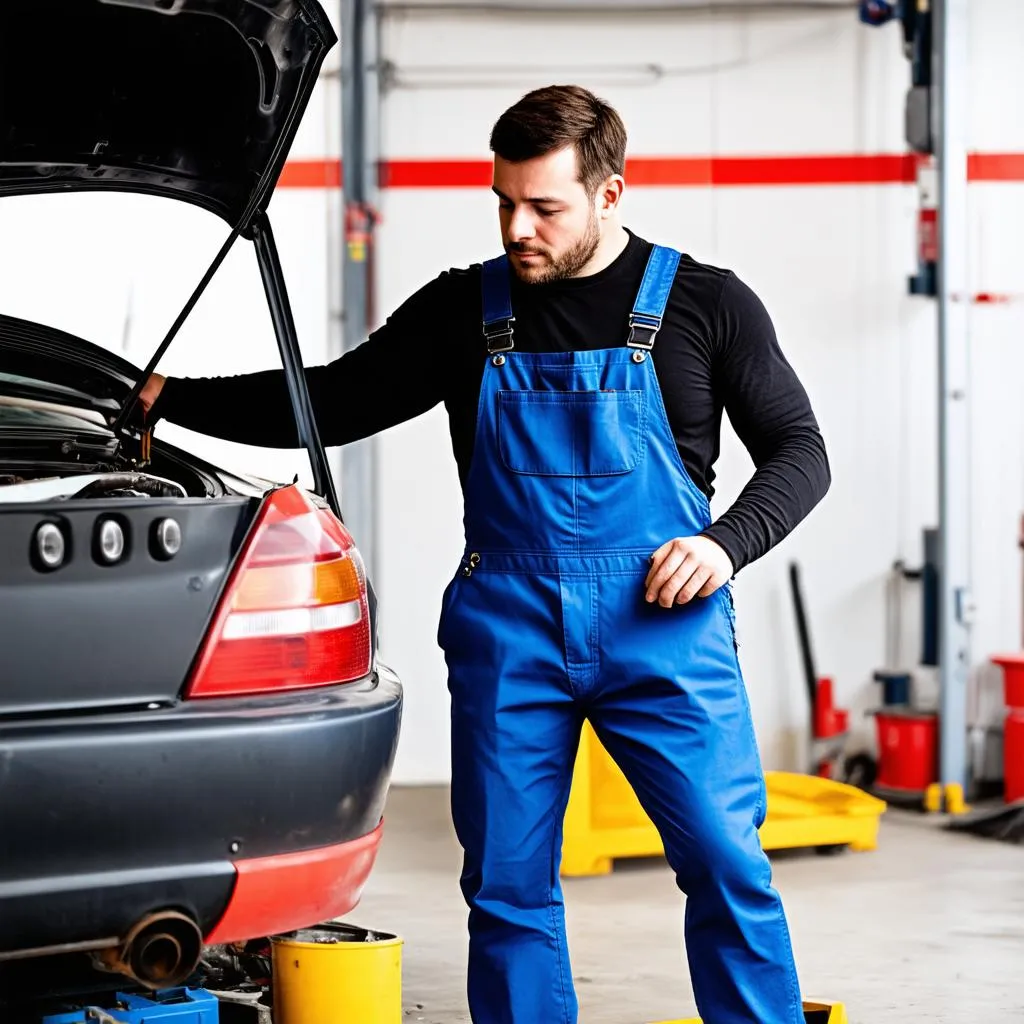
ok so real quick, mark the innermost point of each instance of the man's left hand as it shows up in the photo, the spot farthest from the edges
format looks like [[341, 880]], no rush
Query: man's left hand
[[685, 568]]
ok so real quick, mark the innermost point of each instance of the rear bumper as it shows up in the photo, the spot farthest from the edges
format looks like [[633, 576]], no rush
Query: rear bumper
[[108, 818], [293, 890]]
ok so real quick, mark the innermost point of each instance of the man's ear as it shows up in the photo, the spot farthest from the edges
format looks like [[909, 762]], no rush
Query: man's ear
[[609, 195]]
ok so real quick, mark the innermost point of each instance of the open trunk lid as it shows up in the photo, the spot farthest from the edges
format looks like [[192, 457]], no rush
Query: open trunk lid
[[196, 100]]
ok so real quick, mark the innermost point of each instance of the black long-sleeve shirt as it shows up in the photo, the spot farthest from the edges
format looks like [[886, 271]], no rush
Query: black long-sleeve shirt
[[716, 350]]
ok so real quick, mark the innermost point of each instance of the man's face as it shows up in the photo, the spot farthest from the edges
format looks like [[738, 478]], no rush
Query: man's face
[[549, 224]]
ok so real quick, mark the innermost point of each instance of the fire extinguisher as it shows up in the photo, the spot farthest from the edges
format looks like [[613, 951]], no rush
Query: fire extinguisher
[[360, 219]]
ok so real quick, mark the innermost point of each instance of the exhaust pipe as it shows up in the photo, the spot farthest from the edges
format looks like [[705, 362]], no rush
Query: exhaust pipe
[[160, 951]]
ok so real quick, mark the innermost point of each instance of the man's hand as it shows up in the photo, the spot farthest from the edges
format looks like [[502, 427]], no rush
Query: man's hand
[[685, 568], [151, 391]]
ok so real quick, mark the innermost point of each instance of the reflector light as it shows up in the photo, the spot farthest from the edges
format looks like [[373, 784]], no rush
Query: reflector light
[[166, 538], [110, 541], [50, 546]]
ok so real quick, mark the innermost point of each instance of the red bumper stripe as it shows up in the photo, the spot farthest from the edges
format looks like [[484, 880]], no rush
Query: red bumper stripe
[[296, 890], [676, 172]]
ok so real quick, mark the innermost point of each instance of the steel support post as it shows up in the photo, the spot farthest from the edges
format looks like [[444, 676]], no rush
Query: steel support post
[[359, 102], [955, 603]]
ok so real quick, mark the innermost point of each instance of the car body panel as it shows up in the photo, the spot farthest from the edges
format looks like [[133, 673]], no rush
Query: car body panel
[[95, 635]]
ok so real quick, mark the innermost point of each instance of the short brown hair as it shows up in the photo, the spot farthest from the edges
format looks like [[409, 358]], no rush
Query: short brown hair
[[557, 116]]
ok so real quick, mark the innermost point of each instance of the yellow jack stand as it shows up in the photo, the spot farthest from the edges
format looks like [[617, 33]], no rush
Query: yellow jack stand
[[948, 798], [604, 820], [814, 1013]]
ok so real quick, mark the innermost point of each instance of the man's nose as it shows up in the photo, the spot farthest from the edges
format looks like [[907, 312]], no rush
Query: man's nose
[[521, 225]]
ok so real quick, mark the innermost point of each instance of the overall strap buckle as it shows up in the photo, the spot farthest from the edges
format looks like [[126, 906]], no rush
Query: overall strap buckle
[[649, 308], [496, 293], [498, 335], [643, 330]]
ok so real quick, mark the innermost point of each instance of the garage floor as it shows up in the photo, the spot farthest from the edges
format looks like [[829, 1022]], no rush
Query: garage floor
[[930, 927]]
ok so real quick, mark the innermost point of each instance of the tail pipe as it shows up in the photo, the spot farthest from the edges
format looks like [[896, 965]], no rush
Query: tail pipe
[[160, 951]]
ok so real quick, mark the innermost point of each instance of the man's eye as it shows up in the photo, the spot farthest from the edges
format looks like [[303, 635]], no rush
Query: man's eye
[[505, 206], [549, 213]]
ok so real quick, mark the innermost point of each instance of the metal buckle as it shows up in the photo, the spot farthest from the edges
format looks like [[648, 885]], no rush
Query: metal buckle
[[496, 331], [643, 322]]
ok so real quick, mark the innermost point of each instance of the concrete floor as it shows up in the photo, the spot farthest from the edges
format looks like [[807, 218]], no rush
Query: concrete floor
[[929, 927]]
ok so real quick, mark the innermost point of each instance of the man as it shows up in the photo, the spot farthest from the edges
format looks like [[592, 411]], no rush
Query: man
[[584, 373]]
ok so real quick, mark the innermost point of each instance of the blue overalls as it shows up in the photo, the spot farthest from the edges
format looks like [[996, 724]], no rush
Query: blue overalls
[[575, 481]]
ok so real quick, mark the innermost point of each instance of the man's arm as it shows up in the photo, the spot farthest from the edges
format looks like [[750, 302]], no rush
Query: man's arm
[[394, 376], [771, 413]]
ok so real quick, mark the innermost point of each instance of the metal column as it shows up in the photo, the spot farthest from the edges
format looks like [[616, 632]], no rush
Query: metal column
[[955, 604], [359, 99]]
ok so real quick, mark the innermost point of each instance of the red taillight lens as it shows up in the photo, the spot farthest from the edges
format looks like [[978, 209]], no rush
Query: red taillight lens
[[295, 613]]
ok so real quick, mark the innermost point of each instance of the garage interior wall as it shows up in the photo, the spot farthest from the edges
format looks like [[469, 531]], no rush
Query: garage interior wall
[[829, 261]]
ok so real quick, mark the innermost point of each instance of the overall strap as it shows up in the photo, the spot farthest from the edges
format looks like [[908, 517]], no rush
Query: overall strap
[[497, 305], [649, 307]]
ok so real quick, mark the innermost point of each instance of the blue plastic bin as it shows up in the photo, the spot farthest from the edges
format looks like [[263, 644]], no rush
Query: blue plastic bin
[[173, 1006]]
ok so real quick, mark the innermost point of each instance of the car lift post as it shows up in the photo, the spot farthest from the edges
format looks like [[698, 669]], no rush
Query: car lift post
[[950, 49], [359, 100]]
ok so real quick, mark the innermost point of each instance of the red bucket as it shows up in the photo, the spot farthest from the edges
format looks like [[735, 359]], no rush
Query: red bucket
[[1013, 678], [1013, 756], [907, 744]]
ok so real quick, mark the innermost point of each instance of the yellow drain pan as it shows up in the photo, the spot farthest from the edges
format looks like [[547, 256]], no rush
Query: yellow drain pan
[[814, 1013], [604, 820]]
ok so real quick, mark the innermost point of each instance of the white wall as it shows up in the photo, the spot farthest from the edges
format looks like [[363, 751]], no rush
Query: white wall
[[830, 263], [732, 84]]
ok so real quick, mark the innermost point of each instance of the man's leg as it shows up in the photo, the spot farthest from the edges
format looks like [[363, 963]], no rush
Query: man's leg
[[673, 713], [515, 732]]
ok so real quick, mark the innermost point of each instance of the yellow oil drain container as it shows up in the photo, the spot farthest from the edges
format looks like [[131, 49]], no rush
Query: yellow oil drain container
[[337, 974]]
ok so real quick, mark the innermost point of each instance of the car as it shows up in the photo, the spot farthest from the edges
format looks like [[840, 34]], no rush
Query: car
[[196, 731]]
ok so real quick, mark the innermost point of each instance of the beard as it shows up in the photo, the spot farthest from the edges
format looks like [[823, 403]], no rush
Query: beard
[[557, 268]]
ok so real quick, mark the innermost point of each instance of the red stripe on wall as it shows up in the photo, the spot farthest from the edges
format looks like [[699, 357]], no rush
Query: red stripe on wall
[[311, 174], [995, 166], [855, 169], [435, 174], [676, 172]]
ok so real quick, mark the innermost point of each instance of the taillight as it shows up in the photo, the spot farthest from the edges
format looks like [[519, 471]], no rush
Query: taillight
[[294, 613]]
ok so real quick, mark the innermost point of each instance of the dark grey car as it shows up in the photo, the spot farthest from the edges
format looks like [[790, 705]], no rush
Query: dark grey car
[[196, 737]]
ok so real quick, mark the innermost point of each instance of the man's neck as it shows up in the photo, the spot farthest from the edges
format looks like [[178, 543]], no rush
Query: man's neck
[[611, 247]]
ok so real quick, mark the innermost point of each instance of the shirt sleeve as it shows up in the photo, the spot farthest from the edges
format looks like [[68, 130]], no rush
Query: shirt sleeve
[[395, 375], [772, 415]]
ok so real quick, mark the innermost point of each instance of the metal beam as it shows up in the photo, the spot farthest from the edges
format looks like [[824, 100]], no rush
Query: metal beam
[[359, 100], [955, 603]]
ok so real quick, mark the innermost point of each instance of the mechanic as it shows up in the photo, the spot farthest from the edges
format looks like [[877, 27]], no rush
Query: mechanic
[[585, 372]]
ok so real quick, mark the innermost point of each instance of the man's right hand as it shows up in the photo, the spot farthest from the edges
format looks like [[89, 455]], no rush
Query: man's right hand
[[151, 391]]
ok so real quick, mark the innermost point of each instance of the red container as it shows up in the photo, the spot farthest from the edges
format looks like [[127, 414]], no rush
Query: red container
[[907, 745], [1013, 755], [1013, 678], [829, 721]]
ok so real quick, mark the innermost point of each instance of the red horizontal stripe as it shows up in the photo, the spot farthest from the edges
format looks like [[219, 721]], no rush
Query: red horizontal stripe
[[855, 169], [435, 174], [311, 174], [676, 172], [284, 892], [995, 167]]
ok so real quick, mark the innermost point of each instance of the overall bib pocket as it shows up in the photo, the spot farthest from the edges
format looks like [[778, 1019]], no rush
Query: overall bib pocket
[[571, 433]]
